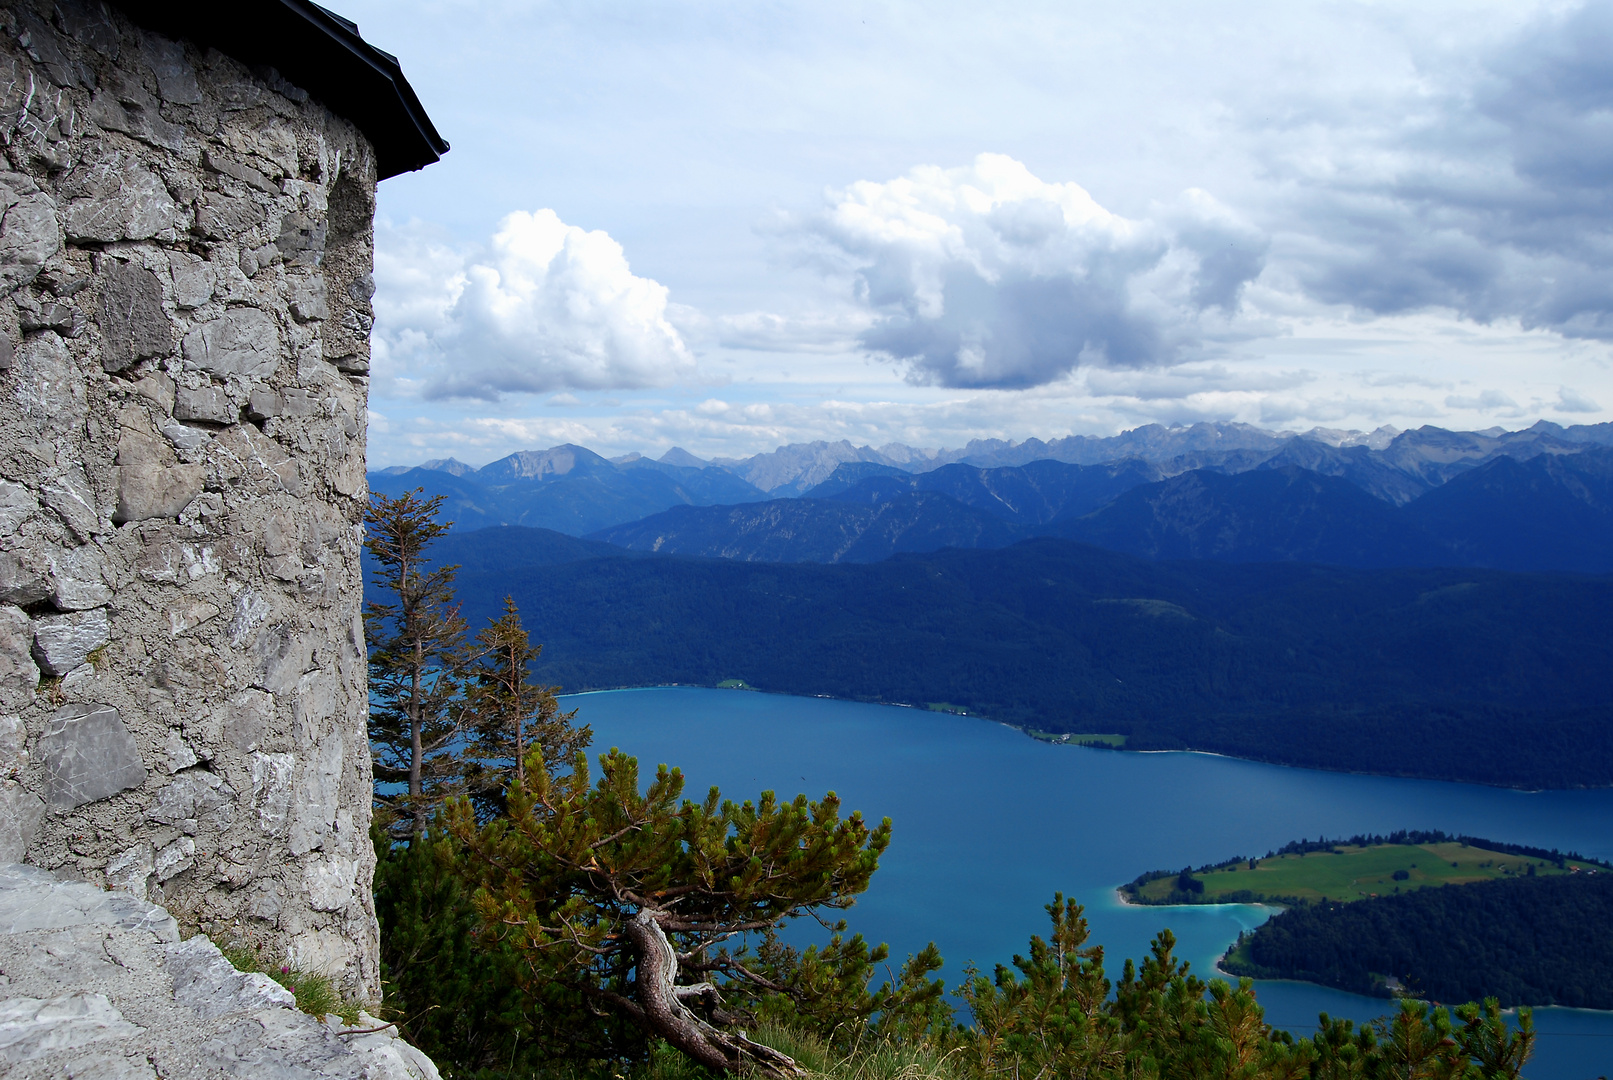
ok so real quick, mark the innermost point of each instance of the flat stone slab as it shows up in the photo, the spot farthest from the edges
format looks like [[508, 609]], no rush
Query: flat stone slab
[[63, 642], [99, 984], [89, 755]]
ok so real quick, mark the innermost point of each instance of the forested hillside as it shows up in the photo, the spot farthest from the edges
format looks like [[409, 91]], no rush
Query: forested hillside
[[1457, 674], [1528, 941]]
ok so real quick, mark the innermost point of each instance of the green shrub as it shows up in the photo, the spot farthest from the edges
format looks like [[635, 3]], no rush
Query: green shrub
[[468, 1002]]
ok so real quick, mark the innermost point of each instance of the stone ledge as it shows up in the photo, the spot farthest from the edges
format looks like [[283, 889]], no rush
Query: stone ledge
[[99, 983]]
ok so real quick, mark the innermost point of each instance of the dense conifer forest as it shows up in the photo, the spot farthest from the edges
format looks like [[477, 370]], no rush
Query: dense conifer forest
[[1352, 670], [1529, 941]]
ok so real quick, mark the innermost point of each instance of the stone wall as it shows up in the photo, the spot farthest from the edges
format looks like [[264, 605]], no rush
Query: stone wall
[[185, 256]]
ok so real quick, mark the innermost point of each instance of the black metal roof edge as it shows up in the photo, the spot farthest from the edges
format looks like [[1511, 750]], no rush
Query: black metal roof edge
[[346, 31], [351, 77]]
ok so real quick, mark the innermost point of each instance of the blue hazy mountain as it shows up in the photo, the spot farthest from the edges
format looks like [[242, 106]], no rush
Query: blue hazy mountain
[[499, 548], [1286, 514], [1423, 458], [1248, 496], [816, 530], [1550, 512], [567, 488], [1031, 494], [865, 512]]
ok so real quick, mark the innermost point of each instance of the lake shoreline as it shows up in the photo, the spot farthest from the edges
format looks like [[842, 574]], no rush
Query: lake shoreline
[[974, 873], [1026, 731]]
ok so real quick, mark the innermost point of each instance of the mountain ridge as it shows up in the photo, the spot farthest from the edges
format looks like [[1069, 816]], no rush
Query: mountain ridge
[[573, 490], [1551, 512], [796, 467]]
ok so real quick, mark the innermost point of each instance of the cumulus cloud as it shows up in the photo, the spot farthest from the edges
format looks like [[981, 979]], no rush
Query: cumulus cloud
[[1489, 193], [544, 306], [986, 276]]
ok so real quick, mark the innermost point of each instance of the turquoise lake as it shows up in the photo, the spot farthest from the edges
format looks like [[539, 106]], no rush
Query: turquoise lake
[[990, 823]]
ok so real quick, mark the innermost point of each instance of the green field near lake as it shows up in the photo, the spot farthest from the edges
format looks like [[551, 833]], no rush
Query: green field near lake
[[1355, 873], [1114, 742]]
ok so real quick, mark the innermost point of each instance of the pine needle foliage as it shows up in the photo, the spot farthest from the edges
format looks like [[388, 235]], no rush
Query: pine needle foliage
[[459, 994], [509, 715], [417, 661], [829, 992], [614, 891], [1051, 1015]]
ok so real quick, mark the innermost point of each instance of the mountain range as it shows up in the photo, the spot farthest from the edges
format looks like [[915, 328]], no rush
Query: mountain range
[[1428, 456], [1549, 512], [1532, 499], [1342, 602], [567, 488]]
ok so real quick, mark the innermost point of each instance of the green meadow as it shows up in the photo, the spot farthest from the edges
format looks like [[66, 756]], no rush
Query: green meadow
[[1350, 873]]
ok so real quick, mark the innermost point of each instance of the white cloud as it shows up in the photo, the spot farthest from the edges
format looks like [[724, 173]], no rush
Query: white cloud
[[1412, 203], [987, 276], [1488, 401], [1572, 401], [545, 306], [1189, 380]]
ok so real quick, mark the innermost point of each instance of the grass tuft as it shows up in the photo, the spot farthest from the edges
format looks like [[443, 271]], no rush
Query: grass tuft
[[316, 994], [878, 1060]]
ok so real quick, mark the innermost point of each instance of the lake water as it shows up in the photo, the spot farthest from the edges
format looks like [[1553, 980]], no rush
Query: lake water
[[990, 823]]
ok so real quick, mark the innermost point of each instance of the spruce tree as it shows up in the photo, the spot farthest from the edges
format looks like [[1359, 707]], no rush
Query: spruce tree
[[509, 715], [417, 662]]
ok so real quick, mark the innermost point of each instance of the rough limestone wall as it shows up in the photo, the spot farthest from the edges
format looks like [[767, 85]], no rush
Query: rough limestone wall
[[185, 256], [97, 984]]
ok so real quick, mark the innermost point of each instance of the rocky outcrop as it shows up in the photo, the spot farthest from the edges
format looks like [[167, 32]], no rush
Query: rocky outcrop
[[185, 257], [99, 984]]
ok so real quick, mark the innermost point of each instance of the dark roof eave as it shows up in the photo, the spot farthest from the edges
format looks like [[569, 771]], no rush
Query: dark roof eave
[[318, 51]]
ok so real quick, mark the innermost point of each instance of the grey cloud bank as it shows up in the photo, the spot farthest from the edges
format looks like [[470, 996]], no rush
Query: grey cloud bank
[[1491, 199]]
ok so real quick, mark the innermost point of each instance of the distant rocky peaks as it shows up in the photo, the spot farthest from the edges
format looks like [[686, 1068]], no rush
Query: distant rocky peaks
[[1339, 438], [450, 466], [537, 464], [1420, 458], [792, 469], [679, 456]]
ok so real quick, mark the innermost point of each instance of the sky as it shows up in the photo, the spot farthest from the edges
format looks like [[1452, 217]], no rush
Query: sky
[[730, 226]]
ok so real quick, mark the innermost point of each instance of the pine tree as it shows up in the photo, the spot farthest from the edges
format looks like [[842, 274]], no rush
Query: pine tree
[[1497, 1051], [510, 716], [417, 659], [617, 893]]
